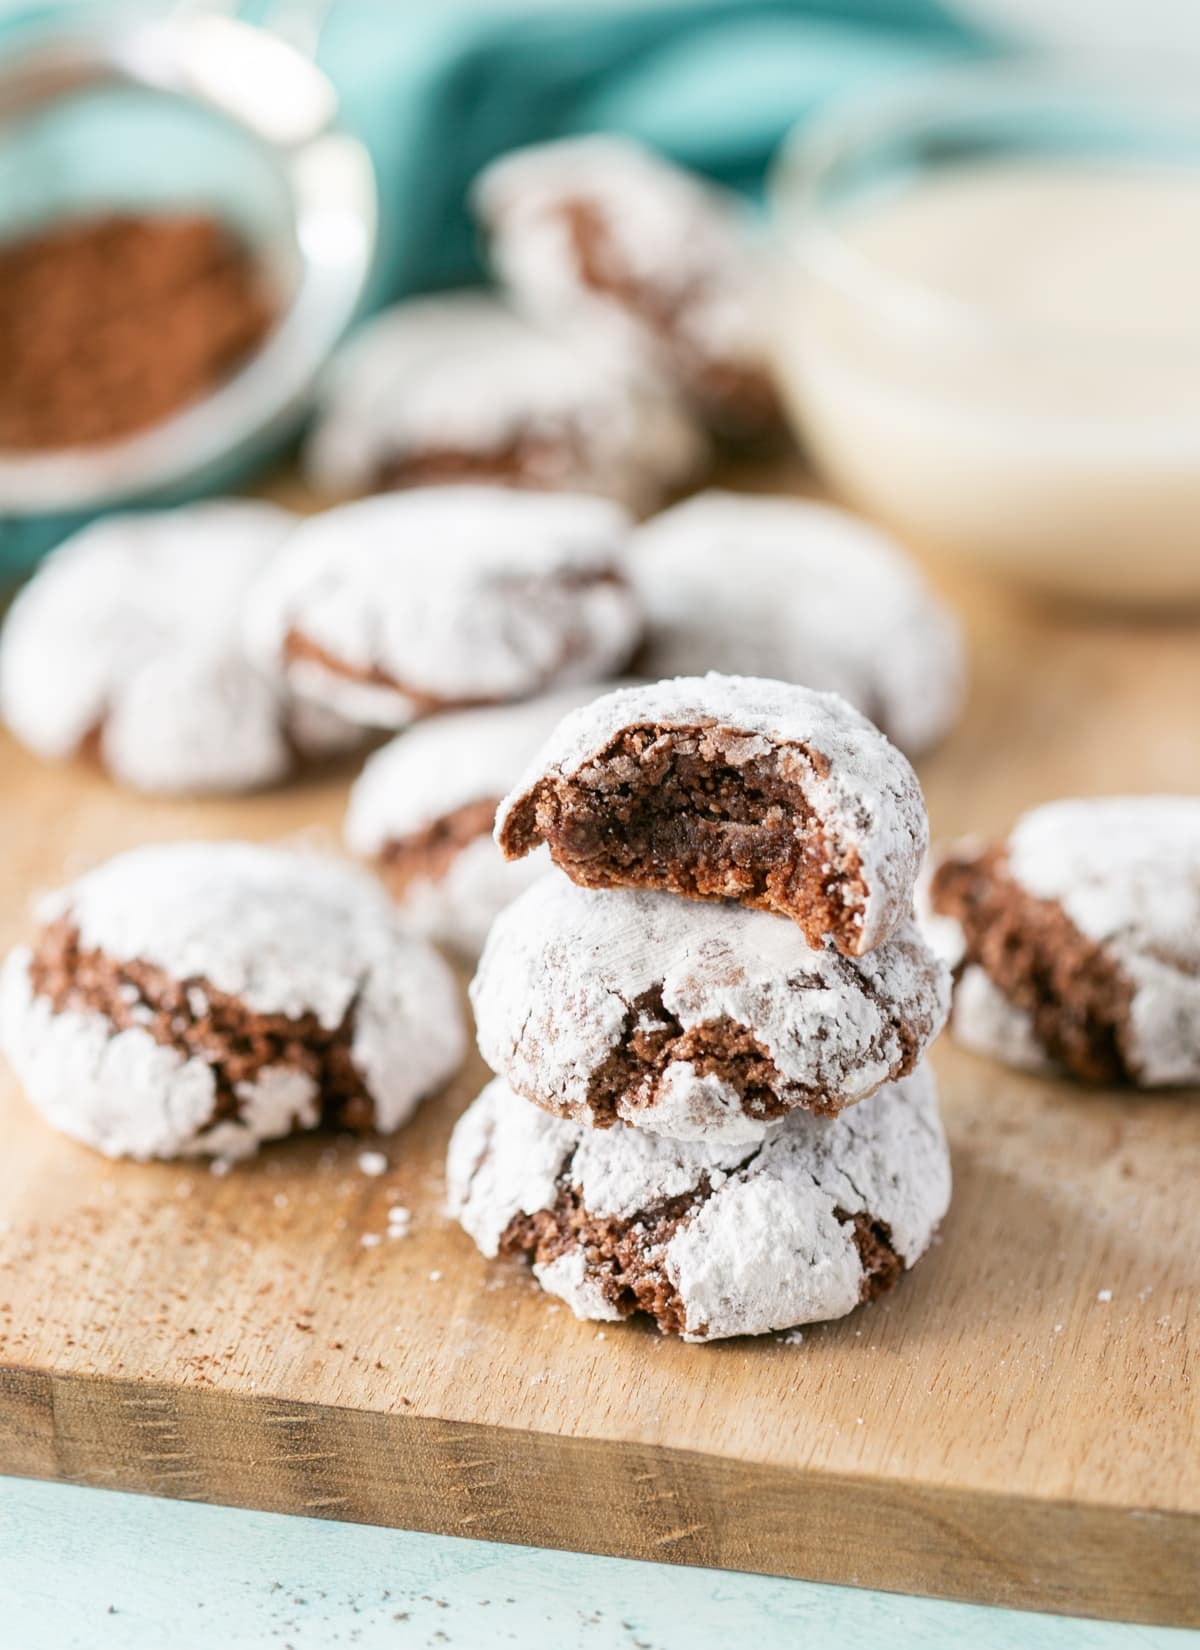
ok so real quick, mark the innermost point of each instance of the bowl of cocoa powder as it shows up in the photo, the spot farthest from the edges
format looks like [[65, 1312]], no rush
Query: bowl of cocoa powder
[[185, 234]]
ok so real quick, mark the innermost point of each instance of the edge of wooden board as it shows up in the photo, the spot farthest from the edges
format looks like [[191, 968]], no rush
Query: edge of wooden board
[[626, 1500]]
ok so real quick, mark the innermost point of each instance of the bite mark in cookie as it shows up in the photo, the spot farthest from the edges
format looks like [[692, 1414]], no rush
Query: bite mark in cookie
[[728, 787], [675, 809]]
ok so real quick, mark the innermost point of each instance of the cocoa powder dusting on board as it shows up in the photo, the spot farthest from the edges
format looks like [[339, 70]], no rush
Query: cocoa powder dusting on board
[[110, 323]]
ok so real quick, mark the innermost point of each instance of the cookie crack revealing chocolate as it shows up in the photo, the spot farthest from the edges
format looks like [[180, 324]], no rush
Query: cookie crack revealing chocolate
[[203, 1023], [528, 460], [732, 390], [669, 808], [427, 855], [1074, 991], [654, 1039], [872, 1238], [624, 1258]]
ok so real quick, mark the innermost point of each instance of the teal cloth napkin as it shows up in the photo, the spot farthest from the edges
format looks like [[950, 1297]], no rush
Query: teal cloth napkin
[[437, 90]]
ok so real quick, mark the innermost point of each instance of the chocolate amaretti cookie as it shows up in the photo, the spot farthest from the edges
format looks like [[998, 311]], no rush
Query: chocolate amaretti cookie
[[1077, 941], [459, 388], [693, 1020], [394, 606], [199, 998], [804, 592], [710, 1239], [631, 254], [731, 787], [126, 643]]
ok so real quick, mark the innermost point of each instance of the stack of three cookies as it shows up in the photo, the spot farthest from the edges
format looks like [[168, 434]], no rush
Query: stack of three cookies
[[711, 1106]]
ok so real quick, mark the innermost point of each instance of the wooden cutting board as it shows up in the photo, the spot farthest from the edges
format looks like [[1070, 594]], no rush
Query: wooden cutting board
[[1015, 1424]]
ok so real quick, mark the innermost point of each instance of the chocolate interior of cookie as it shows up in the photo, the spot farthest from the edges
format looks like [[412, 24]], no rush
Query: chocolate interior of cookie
[[193, 1017], [525, 460], [687, 811], [625, 1257], [653, 1039], [1074, 991], [427, 855]]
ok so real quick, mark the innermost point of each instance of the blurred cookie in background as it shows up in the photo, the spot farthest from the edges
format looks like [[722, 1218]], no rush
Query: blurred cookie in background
[[423, 809], [780, 587], [393, 607], [126, 644], [614, 244], [1076, 941], [459, 388]]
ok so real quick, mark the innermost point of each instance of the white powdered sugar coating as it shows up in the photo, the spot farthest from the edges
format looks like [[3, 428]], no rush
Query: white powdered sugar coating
[[450, 594], [563, 967], [763, 1248], [1126, 870], [672, 235], [868, 801], [461, 373], [427, 773], [804, 592], [285, 933], [132, 628]]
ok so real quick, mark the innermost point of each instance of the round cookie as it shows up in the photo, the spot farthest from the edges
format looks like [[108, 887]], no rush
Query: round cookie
[[127, 641], [394, 606], [199, 998], [613, 243], [1078, 939], [693, 1021], [710, 1239], [731, 787], [804, 592], [423, 808], [457, 388]]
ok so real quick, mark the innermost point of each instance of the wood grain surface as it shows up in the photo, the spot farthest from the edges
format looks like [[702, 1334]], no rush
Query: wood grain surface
[[998, 1429]]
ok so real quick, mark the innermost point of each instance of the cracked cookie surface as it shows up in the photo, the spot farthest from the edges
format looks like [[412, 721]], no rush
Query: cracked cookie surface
[[458, 388], [199, 998], [710, 1240], [695, 1021], [1075, 941], [394, 606], [731, 787]]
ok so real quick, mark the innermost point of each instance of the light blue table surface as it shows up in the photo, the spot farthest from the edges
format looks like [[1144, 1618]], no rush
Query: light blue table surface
[[84, 1569]]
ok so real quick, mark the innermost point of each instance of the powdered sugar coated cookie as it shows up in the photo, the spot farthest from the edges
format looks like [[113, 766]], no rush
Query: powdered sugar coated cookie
[[711, 1239], [804, 592], [129, 636], [628, 252], [693, 1021], [444, 596], [459, 388], [1086, 923], [203, 997]]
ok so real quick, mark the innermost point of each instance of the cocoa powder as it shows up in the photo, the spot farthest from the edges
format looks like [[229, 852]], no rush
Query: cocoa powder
[[109, 324]]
